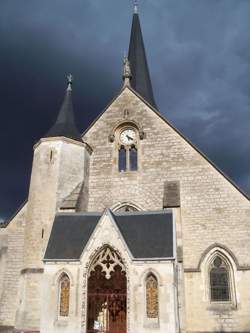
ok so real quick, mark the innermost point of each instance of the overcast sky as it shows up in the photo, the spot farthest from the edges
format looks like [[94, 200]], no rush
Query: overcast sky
[[199, 58]]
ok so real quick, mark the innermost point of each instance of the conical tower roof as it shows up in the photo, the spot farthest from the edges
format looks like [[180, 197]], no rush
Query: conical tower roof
[[140, 80], [65, 122]]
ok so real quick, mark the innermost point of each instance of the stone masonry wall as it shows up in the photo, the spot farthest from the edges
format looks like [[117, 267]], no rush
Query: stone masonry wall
[[14, 261], [212, 209]]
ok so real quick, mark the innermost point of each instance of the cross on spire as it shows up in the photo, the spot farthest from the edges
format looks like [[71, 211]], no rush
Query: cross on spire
[[135, 7], [70, 81]]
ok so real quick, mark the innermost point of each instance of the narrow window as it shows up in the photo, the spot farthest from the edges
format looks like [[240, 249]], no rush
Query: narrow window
[[51, 155], [122, 159], [152, 305], [133, 158], [219, 281], [64, 285]]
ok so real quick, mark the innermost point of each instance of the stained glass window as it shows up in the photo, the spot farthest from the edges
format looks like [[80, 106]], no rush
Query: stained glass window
[[219, 281], [152, 297], [64, 295], [122, 159]]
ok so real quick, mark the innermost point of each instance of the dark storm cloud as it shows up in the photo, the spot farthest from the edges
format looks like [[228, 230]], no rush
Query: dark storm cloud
[[199, 58]]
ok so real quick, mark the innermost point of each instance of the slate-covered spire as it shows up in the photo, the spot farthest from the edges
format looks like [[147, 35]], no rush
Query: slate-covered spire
[[65, 122], [140, 80]]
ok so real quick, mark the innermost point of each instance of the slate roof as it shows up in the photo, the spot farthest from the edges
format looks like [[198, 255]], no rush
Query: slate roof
[[71, 201], [147, 234], [65, 122], [140, 80]]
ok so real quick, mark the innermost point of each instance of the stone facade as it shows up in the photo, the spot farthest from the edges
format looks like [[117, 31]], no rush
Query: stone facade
[[212, 216]]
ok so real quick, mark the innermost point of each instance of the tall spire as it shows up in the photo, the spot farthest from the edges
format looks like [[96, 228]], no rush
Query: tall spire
[[140, 80], [65, 122]]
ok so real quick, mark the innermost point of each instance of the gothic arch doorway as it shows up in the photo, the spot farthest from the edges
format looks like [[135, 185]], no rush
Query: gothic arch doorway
[[107, 293]]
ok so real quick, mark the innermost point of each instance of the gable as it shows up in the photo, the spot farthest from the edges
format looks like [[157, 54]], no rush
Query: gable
[[145, 116]]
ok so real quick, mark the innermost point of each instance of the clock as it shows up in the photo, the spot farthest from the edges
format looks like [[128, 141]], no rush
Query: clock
[[128, 136]]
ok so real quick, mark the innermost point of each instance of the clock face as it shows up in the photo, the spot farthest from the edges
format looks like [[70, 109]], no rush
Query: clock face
[[128, 136]]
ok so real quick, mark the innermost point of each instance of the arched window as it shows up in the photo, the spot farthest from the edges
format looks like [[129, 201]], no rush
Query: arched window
[[126, 208], [152, 302], [122, 159], [64, 294], [219, 281], [127, 140], [133, 158]]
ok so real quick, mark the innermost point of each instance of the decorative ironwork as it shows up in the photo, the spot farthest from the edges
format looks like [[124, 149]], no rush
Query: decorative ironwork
[[107, 294], [219, 281], [64, 295], [152, 297]]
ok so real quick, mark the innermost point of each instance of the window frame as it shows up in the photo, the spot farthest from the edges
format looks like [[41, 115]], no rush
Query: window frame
[[232, 269], [60, 317], [148, 276], [227, 268]]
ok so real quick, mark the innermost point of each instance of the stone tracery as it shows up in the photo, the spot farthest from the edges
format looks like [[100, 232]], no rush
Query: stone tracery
[[107, 259]]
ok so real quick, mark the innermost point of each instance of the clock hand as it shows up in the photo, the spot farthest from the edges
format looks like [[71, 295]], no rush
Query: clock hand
[[129, 137]]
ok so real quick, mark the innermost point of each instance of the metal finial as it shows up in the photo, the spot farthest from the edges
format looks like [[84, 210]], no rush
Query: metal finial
[[70, 81], [135, 7]]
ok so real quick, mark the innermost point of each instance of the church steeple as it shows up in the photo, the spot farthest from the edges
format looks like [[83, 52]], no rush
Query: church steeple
[[65, 122], [140, 78]]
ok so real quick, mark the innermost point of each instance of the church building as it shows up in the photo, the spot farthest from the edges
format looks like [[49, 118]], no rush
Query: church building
[[127, 228]]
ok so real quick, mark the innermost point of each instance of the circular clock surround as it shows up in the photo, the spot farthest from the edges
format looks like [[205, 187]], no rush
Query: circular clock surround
[[128, 136]]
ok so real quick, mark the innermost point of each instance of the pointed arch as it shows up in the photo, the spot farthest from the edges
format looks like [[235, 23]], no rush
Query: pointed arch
[[126, 206], [218, 247], [144, 275], [58, 275], [107, 258]]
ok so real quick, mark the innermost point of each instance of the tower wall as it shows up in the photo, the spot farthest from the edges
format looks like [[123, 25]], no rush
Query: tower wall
[[58, 167]]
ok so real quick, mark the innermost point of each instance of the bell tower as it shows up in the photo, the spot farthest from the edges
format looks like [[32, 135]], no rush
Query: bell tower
[[60, 163]]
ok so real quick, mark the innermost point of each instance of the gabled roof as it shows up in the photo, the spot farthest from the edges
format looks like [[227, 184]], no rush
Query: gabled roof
[[71, 201], [65, 122], [147, 234], [140, 80], [174, 128]]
